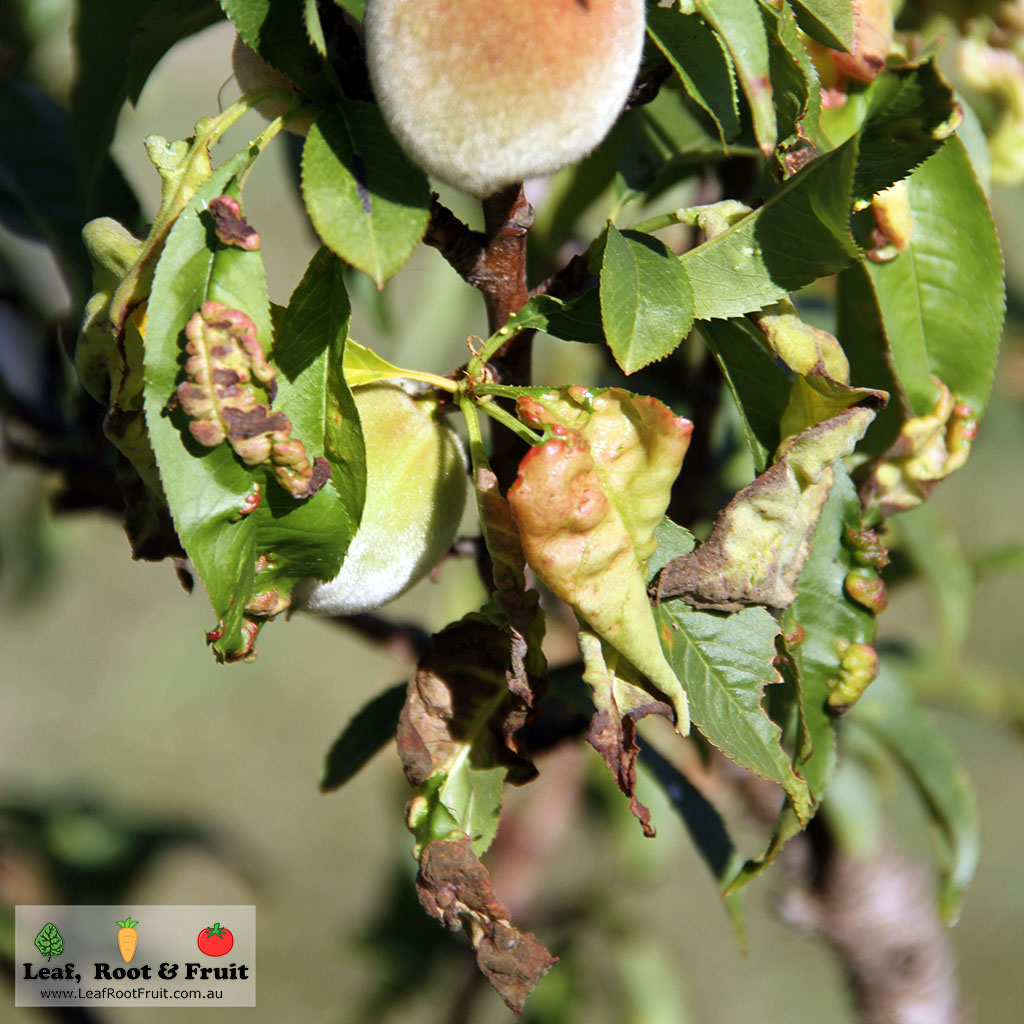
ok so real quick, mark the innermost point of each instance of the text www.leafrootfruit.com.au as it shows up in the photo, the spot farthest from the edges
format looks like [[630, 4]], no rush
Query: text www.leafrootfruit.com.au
[[132, 993]]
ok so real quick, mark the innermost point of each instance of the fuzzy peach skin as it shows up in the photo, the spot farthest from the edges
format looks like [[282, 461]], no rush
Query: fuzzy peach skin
[[486, 93]]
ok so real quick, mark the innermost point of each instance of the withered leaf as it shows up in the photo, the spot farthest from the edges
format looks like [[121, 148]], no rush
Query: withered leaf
[[762, 538], [455, 888], [461, 718], [620, 701], [587, 503]]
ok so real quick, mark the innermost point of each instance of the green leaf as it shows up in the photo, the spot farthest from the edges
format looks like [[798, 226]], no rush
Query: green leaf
[[861, 334], [699, 58], [165, 23], [576, 320], [725, 662], [739, 24], [889, 713], [942, 300], [49, 941], [673, 540], [102, 36], [368, 732], [803, 231], [824, 614], [935, 552], [828, 21], [277, 30], [311, 354], [588, 502], [796, 89], [646, 300], [760, 385], [705, 827], [367, 201]]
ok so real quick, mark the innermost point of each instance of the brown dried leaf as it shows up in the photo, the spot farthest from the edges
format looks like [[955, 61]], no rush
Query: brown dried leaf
[[455, 888], [620, 701]]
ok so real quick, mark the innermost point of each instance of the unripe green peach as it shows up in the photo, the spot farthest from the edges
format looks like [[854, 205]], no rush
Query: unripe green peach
[[415, 492], [484, 95]]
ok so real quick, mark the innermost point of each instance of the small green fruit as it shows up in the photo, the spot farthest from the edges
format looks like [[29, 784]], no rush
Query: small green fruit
[[415, 492]]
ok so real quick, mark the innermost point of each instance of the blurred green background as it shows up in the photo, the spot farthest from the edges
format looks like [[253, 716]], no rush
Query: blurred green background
[[124, 745]]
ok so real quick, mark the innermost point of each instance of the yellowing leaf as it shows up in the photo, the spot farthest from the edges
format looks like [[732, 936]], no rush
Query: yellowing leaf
[[587, 503]]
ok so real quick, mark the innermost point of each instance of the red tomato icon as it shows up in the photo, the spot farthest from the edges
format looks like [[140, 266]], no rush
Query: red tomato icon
[[215, 940]]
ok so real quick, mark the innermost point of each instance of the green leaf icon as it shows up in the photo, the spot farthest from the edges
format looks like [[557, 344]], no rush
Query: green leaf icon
[[49, 941]]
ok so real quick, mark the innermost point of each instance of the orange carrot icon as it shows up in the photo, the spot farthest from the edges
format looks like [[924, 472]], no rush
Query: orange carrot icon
[[127, 938]]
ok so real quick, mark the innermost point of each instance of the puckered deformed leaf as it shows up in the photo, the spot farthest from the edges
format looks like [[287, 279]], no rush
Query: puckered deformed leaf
[[588, 502], [725, 662], [762, 538], [456, 733], [620, 701], [368, 202], [455, 888], [802, 232]]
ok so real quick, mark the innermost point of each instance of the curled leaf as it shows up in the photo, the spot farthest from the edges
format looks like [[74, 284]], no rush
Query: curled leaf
[[762, 538], [926, 451], [587, 503], [224, 356], [455, 888]]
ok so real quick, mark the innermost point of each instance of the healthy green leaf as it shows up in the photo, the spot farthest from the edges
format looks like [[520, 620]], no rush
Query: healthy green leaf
[[165, 23], [824, 614], [828, 21], [796, 89], [705, 827], [277, 30], [311, 354], [646, 300], [760, 385], [102, 36], [576, 320], [725, 662], [738, 23], [367, 201], [368, 732], [588, 502], [803, 231], [942, 299], [888, 711], [673, 540], [699, 58]]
